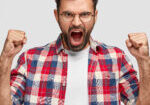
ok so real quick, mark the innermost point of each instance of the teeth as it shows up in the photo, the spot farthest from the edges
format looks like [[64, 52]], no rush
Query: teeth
[[76, 31]]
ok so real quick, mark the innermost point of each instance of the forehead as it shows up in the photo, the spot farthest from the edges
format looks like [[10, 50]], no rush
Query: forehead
[[76, 5]]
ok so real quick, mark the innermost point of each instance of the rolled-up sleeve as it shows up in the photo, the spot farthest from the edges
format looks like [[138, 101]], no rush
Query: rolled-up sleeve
[[128, 84], [18, 80]]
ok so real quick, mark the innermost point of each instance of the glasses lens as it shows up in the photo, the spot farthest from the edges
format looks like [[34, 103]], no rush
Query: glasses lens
[[86, 19], [67, 18], [83, 17]]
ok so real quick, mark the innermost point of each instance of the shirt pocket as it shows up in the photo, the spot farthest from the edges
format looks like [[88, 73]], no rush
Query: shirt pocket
[[109, 79], [104, 87], [109, 83]]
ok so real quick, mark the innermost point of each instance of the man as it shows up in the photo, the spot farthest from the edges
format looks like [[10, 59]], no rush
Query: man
[[53, 74]]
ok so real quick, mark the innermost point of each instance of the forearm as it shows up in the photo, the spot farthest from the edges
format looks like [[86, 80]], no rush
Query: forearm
[[144, 84], [5, 67]]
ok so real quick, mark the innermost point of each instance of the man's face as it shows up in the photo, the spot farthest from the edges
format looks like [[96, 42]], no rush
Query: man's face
[[76, 19]]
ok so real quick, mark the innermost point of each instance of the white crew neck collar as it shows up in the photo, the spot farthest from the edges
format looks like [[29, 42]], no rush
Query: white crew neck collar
[[73, 53]]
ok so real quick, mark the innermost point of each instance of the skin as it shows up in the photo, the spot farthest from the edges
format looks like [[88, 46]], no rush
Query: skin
[[70, 5], [137, 44]]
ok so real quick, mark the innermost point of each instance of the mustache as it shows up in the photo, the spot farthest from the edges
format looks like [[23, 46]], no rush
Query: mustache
[[76, 27]]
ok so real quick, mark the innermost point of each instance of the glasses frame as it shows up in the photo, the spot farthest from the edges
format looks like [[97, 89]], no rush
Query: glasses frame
[[73, 16]]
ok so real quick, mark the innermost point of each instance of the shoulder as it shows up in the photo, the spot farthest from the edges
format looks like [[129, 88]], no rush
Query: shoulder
[[49, 48], [108, 49]]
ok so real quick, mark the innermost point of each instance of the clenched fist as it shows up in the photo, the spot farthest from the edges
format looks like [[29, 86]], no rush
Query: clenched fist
[[137, 44], [14, 43]]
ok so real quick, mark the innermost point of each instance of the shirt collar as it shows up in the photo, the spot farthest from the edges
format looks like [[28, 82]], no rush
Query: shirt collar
[[94, 45]]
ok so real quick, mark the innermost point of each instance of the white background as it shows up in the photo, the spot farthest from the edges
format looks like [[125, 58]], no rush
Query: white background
[[116, 18]]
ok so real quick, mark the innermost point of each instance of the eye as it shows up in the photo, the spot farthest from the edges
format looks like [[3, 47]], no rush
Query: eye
[[67, 14], [85, 14]]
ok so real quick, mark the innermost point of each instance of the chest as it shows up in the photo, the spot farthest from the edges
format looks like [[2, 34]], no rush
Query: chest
[[47, 80]]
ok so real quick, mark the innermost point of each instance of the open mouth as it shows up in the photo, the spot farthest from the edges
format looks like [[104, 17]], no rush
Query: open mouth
[[76, 35], [76, 38]]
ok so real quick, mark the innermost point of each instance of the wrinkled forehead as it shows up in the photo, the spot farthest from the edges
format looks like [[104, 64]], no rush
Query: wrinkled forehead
[[76, 5]]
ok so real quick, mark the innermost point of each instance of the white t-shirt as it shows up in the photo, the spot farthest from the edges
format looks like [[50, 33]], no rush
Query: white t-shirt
[[77, 78]]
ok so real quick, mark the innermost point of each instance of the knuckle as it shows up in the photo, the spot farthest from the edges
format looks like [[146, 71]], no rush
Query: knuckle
[[129, 34], [10, 31], [127, 40], [20, 31], [132, 38], [16, 31], [145, 35], [19, 35]]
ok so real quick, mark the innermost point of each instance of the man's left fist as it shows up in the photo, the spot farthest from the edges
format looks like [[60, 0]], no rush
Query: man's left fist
[[137, 44]]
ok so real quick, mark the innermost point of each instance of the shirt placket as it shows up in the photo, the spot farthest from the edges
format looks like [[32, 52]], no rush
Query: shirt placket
[[63, 83], [91, 70]]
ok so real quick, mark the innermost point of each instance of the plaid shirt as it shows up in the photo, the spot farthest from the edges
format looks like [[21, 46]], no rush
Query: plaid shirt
[[40, 77]]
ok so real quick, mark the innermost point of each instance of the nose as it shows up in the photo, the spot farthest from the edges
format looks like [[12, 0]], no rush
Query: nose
[[76, 21]]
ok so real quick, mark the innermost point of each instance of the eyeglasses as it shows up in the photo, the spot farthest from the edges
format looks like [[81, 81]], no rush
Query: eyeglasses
[[84, 17]]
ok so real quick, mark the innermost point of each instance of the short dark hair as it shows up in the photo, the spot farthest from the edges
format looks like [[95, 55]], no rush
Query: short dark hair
[[58, 4]]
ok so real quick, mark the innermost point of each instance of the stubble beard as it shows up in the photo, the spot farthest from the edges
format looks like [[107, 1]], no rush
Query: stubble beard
[[86, 38]]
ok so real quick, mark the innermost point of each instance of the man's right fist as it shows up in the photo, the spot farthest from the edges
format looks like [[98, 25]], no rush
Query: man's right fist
[[14, 43]]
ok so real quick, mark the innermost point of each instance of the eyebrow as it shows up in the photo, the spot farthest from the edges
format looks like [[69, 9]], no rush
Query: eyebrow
[[67, 12], [85, 12], [73, 12]]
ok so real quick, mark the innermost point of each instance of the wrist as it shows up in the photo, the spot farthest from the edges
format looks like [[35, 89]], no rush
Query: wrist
[[143, 58], [4, 57], [144, 74], [143, 62], [5, 64]]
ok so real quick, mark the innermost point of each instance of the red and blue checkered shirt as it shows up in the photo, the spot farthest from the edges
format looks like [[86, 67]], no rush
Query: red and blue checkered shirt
[[40, 77]]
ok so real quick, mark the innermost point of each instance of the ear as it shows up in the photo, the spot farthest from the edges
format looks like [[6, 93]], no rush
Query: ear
[[96, 13], [56, 14]]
